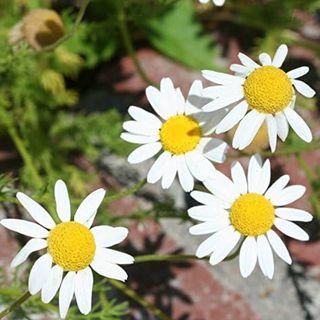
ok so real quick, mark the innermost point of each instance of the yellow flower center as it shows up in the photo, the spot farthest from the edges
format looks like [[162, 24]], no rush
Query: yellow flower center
[[252, 214], [71, 246], [180, 134], [268, 89]]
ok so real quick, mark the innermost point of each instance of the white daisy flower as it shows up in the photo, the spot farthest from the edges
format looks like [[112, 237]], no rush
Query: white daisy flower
[[246, 208], [72, 247], [179, 131], [266, 91], [216, 2]]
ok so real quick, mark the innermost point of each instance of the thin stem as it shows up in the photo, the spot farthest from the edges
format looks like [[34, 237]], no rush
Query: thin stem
[[167, 258], [27, 159], [311, 178], [177, 258], [139, 299], [127, 192], [127, 41], [15, 305], [126, 290], [74, 29]]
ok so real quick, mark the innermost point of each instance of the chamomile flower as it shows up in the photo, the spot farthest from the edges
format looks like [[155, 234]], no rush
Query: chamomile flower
[[72, 247], [246, 208], [216, 2], [266, 91], [179, 131]]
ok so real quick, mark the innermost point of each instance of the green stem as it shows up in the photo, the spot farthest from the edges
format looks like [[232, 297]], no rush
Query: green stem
[[15, 305], [177, 258], [127, 192], [74, 29], [311, 178], [127, 41], [139, 299], [126, 290], [27, 159]]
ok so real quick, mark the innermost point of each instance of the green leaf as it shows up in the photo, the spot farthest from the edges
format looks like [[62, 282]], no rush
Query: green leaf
[[178, 35]]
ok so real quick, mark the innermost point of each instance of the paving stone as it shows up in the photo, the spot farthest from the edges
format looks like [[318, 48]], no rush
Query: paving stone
[[185, 290], [276, 299]]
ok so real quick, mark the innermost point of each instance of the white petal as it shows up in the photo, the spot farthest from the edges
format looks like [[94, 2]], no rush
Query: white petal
[[218, 91], [291, 229], [169, 97], [278, 246], [282, 126], [170, 173], [264, 179], [106, 236], [222, 78], [211, 120], [248, 256], [83, 290], [214, 241], [214, 149], [62, 201], [280, 56], [114, 256], [205, 198], [140, 128], [265, 59], [52, 284], [158, 168], [134, 138], [37, 212], [180, 102], [247, 129], [144, 152], [30, 247], [248, 62], [109, 270], [239, 177], [185, 177], [298, 72], [155, 98], [66, 293], [39, 273], [254, 173], [239, 68], [211, 226], [298, 125], [265, 256], [288, 195], [195, 100], [277, 186], [26, 228], [222, 187], [89, 222], [89, 206], [304, 88], [293, 214], [272, 132], [219, 3], [199, 166], [209, 213], [233, 117], [224, 101], [144, 116], [226, 247]]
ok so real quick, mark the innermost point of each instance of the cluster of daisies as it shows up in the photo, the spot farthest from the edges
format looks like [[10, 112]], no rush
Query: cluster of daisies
[[237, 213]]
